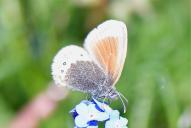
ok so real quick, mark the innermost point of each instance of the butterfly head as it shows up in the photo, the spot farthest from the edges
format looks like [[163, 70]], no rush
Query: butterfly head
[[110, 94], [113, 94], [105, 92]]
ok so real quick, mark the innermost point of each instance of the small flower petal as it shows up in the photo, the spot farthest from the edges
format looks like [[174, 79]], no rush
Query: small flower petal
[[92, 108], [102, 116], [81, 108], [123, 120], [114, 122], [109, 124], [81, 121], [114, 115]]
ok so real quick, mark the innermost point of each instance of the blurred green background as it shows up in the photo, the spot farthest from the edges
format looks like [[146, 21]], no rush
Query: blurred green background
[[156, 78]]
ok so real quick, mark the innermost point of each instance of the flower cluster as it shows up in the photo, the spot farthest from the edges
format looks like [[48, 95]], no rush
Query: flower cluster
[[87, 114]]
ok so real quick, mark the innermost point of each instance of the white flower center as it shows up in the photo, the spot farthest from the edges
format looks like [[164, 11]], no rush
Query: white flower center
[[91, 116]]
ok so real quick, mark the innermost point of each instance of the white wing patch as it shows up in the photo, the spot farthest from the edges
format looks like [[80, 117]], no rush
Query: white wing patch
[[63, 60], [107, 45]]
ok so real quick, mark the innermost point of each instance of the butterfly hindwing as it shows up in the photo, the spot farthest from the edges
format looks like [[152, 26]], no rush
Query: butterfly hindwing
[[63, 61], [72, 67]]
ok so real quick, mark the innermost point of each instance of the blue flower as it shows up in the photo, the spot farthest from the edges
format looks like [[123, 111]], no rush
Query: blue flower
[[116, 121], [86, 114]]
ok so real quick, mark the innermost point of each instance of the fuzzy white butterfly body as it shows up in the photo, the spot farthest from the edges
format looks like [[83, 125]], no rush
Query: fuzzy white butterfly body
[[96, 68]]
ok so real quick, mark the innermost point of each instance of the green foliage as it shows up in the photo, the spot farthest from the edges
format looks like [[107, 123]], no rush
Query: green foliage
[[156, 78]]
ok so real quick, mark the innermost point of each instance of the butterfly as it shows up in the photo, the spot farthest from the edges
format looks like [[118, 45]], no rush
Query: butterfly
[[96, 68]]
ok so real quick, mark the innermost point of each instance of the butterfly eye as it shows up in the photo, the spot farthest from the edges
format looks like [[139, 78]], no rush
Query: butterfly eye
[[62, 71], [64, 63], [81, 54]]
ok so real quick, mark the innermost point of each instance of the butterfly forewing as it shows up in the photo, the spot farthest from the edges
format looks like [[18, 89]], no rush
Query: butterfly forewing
[[107, 45]]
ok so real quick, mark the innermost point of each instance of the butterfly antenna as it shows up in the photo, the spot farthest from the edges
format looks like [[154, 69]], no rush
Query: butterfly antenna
[[126, 100], [124, 107]]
